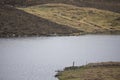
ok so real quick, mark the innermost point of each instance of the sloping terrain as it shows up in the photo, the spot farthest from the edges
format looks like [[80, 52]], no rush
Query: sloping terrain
[[111, 5], [87, 20], [14, 23], [21, 18]]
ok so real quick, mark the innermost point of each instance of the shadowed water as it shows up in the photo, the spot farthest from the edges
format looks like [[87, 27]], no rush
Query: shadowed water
[[39, 58]]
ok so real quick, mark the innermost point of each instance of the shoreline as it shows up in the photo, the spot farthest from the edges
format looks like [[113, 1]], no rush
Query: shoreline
[[80, 72], [54, 35]]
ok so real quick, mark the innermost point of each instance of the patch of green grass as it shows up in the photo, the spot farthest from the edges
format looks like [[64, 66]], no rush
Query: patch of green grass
[[89, 20]]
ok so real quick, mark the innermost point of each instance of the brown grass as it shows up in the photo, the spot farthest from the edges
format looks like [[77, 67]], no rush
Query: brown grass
[[92, 73], [88, 20], [15, 23]]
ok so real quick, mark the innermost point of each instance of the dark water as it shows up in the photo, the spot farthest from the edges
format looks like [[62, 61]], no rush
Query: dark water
[[39, 58]]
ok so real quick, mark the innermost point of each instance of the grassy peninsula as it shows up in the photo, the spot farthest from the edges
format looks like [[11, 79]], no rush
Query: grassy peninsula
[[92, 71]]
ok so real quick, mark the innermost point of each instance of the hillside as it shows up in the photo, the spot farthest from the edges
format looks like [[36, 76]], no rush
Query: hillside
[[16, 23], [111, 5], [36, 18], [94, 71], [86, 20]]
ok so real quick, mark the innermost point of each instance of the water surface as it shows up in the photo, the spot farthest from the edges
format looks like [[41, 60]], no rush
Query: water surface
[[39, 58]]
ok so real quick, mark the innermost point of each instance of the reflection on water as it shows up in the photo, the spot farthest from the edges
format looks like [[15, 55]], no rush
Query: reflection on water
[[39, 58]]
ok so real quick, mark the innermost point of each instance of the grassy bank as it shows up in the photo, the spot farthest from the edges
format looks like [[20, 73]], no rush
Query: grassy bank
[[86, 20], [93, 71]]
